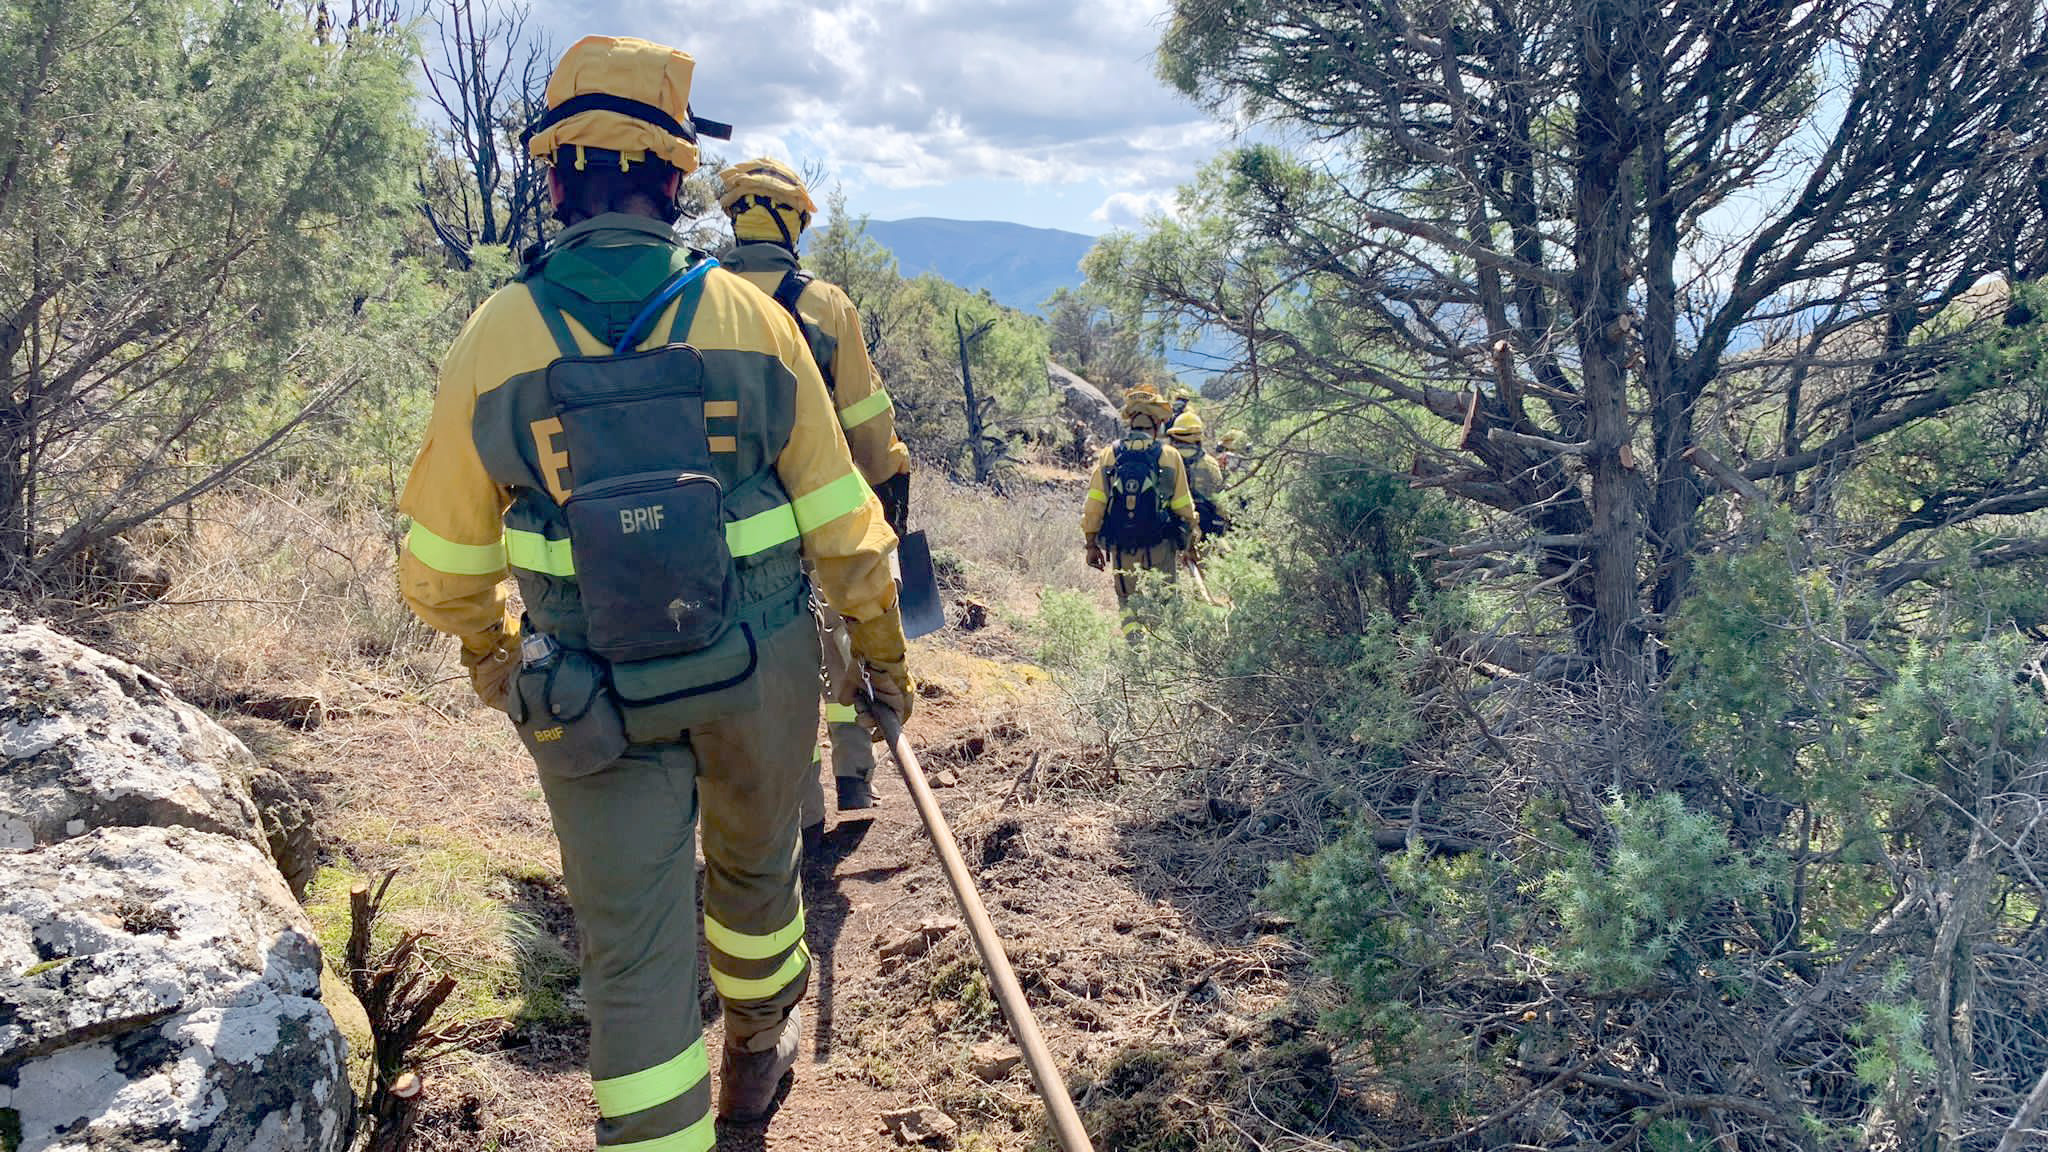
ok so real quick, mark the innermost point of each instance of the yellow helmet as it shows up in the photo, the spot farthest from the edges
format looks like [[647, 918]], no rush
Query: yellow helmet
[[624, 95], [766, 200], [1143, 401], [1232, 440], [1187, 428]]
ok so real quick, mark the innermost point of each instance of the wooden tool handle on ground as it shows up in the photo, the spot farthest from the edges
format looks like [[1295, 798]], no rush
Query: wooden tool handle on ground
[[1059, 1107]]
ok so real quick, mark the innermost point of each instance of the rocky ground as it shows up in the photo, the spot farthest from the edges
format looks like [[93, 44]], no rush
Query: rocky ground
[[159, 985]]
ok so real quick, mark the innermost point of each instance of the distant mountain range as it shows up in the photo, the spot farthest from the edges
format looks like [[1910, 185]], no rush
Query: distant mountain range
[[1020, 266]]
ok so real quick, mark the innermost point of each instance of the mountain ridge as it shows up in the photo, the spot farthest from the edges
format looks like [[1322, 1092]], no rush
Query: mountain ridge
[[1018, 264]]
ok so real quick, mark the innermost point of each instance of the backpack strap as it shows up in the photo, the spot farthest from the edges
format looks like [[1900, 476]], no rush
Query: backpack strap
[[553, 316], [688, 284], [791, 290]]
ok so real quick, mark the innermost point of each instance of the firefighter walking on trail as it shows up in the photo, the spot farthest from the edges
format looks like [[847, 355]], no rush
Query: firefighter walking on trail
[[1139, 515], [1205, 479], [641, 439], [769, 208]]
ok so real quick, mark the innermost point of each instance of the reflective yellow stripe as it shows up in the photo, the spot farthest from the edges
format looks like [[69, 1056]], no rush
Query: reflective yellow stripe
[[816, 509], [721, 409], [756, 533], [1183, 505], [736, 988], [761, 531], [445, 555], [722, 443], [699, 1137], [742, 946], [639, 1091], [863, 410], [536, 553], [841, 714], [817, 754], [1095, 494]]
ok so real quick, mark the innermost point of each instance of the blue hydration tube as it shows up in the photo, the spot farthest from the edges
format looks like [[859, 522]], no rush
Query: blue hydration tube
[[637, 330]]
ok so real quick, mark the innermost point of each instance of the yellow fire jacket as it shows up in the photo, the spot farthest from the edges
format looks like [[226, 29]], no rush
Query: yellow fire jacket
[[865, 411], [453, 568], [1174, 475]]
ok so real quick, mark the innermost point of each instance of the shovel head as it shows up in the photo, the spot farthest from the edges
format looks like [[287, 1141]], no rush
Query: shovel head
[[923, 613]]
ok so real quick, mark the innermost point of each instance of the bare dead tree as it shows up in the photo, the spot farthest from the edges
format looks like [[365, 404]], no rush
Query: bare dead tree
[[983, 448], [488, 78]]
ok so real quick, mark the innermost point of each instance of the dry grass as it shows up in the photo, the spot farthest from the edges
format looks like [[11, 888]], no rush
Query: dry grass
[[279, 590], [1010, 546]]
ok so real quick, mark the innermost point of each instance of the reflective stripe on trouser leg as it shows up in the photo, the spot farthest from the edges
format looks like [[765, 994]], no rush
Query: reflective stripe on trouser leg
[[752, 772], [627, 833]]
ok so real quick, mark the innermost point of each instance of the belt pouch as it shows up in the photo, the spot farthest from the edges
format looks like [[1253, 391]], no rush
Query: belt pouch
[[566, 717], [665, 697]]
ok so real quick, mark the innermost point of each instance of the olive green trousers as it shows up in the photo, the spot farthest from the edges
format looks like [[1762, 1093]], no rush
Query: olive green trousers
[[1163, 557], [627, 834]]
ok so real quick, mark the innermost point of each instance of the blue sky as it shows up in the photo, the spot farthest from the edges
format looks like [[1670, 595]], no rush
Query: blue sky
[[1042, 112]]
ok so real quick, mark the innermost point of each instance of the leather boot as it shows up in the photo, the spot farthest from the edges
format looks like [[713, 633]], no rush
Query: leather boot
[[854, 793], [750, 1083]]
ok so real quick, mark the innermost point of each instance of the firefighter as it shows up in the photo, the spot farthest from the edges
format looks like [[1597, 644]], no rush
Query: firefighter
[[769, 208], [640, 439], [1230, 451], [1139, 515], [1205, 479]]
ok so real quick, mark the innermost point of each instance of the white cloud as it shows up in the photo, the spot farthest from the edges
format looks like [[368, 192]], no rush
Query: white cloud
[[1132, 209], [913, 93]]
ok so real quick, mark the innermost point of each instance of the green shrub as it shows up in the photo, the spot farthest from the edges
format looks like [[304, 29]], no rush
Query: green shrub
[[1069, 631], [1632, 914]]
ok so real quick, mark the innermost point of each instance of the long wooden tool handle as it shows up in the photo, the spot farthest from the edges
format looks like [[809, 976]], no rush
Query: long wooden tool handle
[[1201, 585], [1066, 1123]]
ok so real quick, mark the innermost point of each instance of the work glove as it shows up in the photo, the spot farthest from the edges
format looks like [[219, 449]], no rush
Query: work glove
[[1096, 559], [894, 493], [878, 649], [493, 667]]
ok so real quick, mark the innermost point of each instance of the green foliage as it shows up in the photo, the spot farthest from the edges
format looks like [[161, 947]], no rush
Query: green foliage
[[963, 984], [1633, 914], [1070, 631], [1891, 1046], [202, 201], [1087, 337], [1960, 720], [1760, 701]]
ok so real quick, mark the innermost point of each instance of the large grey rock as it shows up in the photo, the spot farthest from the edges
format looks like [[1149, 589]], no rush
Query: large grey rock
[[288, 828], [90, 742], [159, 989], [1080, 400]]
